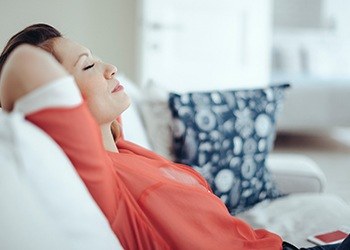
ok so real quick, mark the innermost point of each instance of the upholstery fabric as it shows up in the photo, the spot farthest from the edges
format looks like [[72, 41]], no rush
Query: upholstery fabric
[[226, 136]]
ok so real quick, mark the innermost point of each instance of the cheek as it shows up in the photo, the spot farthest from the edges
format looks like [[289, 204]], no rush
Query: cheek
[[80, 84], [87, 89], [97, 109]]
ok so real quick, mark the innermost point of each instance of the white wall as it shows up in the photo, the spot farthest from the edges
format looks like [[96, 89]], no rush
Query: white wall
[[185, 50], [107, 27]]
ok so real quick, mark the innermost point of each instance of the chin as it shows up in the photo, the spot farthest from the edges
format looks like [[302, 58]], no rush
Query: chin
[[126, 103], [122, 107]]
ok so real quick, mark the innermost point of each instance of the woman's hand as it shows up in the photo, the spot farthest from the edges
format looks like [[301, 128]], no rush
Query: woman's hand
[[26, 69]]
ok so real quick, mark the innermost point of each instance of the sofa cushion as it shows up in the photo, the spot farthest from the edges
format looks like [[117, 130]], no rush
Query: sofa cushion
[[226, 136]]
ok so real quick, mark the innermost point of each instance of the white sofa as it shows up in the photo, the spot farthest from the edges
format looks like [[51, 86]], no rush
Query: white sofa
[[44, 204]]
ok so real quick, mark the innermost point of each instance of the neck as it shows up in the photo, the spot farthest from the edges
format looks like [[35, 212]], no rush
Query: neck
[[107, 138]]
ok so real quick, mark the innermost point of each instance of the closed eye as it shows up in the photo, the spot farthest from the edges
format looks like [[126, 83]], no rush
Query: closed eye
[[89, 66]]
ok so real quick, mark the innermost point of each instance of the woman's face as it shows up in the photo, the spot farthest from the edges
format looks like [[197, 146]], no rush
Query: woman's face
[[96, 80]]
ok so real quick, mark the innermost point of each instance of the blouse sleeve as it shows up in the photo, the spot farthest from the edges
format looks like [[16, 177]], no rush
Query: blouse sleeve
[[58, 109]]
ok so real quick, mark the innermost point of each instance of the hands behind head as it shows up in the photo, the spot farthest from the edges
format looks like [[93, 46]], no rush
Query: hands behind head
[[27, 68]]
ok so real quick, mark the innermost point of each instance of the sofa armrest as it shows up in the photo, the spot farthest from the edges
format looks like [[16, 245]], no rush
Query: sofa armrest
[[296, 173]]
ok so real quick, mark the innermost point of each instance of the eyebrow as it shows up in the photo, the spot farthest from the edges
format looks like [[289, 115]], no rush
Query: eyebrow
[[82, 54]]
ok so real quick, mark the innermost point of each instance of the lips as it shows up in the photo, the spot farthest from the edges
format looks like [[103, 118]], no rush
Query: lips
[[117, 88]]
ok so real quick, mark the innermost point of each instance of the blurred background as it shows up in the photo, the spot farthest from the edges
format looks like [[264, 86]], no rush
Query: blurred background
[[209, 44], [226, 42]]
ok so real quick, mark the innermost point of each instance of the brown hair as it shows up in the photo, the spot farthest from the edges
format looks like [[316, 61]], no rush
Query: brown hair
[[40, 35]]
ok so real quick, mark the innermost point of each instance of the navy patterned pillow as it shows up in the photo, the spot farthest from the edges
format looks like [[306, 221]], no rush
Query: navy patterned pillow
[[226, 136]]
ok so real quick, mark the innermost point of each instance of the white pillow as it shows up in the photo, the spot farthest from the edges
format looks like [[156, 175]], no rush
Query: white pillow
[[157, 118], [24, 223], [133, 127], [44, 203]]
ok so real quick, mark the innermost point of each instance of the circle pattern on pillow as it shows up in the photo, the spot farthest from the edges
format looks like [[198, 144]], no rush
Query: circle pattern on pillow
[[226, 136]]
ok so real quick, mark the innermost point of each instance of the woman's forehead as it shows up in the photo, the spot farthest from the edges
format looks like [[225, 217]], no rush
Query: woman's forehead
[[69, 51]]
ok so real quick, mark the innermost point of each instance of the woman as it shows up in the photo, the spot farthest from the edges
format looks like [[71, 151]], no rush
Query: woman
[[150, 202]]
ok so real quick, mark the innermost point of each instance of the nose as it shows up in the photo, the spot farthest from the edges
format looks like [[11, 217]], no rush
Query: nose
[[110, 71]]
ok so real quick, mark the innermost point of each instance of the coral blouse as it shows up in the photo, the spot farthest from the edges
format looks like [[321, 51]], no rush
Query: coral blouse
[[150, 202]]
